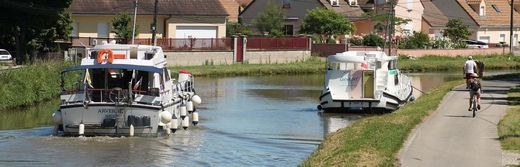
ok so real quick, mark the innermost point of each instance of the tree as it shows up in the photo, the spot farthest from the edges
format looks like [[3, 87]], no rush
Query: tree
[[270, 21], [381, 21], [326, 23], [456, 30], [237, 28], [31, 25], [122, 27]]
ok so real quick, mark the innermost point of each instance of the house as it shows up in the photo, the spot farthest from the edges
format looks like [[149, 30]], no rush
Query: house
[[492, 18], [434, 21], [296, 10], [175, 18]]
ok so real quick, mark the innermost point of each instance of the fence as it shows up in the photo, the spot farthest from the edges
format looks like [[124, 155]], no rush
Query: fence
[[209, 44]]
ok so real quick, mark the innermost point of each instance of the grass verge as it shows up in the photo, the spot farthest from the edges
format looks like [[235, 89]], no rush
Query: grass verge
[[509, 127], [443, 63], [375, 141]]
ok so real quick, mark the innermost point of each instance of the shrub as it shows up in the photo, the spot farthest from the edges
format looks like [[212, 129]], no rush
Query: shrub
[[373, 39]]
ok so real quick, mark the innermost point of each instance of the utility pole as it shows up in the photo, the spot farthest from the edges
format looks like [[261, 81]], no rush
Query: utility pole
[[154, 25], [391, 26], [135, 16], [511, 29]]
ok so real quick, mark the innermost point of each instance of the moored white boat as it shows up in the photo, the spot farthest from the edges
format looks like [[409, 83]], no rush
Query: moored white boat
[[364, 81], [125, 90]]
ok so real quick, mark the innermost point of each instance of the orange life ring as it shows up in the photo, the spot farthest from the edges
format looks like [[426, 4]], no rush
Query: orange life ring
[[101, 56]]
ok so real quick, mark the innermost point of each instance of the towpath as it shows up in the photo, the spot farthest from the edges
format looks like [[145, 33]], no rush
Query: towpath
[[452, 137]]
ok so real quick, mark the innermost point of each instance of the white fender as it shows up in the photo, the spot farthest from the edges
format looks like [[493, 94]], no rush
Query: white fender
[[186, 123], [196, 99], [131, 130], [174, 124], [195, 116], [183, 111], [189, 106], [166, 117], [81, 131]]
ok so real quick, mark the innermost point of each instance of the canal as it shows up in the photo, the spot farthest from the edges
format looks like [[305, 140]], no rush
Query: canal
[[244, 121]]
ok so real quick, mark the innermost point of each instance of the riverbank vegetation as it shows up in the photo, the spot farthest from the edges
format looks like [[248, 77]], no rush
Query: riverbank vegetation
[[376, 140], [30, 84], [309, 66], [317, 65], [509, 126], [444, 63]]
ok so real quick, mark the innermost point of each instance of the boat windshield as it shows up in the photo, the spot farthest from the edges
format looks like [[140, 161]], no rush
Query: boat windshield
[[346, 66]]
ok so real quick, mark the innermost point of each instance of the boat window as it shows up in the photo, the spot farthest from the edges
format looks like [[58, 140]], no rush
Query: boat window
[[392, 65], [166, 74], [378, 64], [333, 66], [72, 81]]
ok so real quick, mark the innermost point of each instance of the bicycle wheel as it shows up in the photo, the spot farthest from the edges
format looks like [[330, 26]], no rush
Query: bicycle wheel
[[474, 105]]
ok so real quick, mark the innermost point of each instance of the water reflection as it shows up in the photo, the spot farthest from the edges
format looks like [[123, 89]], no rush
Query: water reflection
[[244, 121]]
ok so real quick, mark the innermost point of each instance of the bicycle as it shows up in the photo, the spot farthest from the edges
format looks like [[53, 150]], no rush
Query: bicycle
[[474, 105]]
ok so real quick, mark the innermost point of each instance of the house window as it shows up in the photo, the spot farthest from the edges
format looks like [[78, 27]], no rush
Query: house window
[[482, 11], [75, 31], [288, 30], [286, 4], [496, 8], [502, 38], [102, 30]]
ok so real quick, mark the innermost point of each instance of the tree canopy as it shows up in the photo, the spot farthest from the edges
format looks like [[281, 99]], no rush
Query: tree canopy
[[326, 23], [456, 30], [27, 26], [123, 28], [270, 20]]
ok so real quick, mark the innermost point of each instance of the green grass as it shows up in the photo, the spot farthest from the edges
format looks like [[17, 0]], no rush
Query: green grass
[[442, 63], [509, 127], [30, 84], [312, 65], [376, 140]]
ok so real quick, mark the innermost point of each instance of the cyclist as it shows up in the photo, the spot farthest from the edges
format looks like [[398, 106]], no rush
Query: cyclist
[[474, 89], [470, 67]]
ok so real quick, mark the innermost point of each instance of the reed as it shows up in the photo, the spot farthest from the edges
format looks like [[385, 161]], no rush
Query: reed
[[30, 84]]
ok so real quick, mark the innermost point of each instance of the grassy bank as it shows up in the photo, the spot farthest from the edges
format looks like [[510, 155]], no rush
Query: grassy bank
[[312, 65], [30, 84], [375, 141], [509, 127], [441, 63], [316, 65]]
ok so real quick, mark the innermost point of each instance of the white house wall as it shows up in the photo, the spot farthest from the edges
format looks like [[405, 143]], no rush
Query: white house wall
[[494, 35], [409, 9], [87, 26]]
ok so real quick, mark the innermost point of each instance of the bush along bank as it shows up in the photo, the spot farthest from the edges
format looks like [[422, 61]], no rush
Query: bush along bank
[[30, 84], [376, 140]]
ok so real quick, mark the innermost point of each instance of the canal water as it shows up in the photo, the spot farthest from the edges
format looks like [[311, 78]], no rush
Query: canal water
[[244, 121]]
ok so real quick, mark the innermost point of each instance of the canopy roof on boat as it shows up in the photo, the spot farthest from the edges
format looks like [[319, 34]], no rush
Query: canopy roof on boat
[[116, 66]]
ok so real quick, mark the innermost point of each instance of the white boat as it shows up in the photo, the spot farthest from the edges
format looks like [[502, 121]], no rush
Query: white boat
[[364, 81], [124, 90]]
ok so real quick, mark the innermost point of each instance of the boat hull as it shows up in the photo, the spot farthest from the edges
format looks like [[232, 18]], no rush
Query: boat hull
[[107, 119], [387, 103]]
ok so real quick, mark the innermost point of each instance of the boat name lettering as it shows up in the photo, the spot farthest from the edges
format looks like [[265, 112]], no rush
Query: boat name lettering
[[348, 78], [106, 110]]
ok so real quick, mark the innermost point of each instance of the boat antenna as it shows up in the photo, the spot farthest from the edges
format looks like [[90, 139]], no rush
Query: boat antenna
[[154, 25], [135, 18]]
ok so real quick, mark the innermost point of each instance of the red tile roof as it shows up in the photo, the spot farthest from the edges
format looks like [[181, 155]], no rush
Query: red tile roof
[[146, 7]]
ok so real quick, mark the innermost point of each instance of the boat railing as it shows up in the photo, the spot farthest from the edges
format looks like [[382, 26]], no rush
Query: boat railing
[[114, 94]]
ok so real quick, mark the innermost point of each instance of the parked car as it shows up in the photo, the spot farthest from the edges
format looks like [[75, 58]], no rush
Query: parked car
[[5, 55], [476, 44]]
